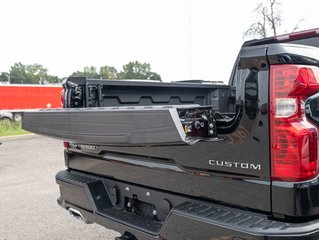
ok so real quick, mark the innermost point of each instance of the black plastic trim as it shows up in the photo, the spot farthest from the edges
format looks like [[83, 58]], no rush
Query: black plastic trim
[[216, 220]]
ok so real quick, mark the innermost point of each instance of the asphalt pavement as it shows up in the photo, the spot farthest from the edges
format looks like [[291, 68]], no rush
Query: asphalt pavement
[[28, 193]]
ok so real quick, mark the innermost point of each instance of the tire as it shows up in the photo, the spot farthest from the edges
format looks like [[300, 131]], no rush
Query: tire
[[17, 117], [5, 120]]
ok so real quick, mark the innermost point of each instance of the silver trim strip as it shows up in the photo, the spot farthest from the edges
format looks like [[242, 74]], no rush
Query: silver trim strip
[[178, 124]]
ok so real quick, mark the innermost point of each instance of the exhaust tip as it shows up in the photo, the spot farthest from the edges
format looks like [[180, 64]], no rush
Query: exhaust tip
[[77, 214], [126, 236]]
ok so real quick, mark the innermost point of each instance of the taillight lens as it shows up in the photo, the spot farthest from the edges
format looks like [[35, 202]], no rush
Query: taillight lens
[[294, 141]]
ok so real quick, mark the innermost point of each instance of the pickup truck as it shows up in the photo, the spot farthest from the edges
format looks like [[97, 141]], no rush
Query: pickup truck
[[196, 159]]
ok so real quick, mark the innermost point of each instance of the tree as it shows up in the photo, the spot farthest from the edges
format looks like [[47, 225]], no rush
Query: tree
[[36, 73], [107, 72], [137, 70], [131, 70], [4, 77], [154, 76], [268, 15], [53, 79], [89, 72], [18, 73], [32, 74]]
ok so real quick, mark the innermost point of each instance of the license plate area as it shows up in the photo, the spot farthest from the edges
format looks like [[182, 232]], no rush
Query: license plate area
[[140, 208]]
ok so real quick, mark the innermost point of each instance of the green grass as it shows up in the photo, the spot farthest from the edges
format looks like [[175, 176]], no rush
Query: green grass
[[8, 128]]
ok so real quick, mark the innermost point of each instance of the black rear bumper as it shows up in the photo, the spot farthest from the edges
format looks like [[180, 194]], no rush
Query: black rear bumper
[[166, 215]]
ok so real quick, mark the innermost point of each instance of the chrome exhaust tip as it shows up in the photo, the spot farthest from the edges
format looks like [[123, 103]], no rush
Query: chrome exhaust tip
[[77, 214]]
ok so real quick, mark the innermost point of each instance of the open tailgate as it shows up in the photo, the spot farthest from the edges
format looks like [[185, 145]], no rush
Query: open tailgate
[[108, 125], [117, 125]]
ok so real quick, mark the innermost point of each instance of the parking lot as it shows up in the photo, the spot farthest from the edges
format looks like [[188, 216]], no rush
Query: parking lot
[[28, 193]]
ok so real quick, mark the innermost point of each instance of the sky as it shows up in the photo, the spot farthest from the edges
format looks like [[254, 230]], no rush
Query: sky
[[181, 39]]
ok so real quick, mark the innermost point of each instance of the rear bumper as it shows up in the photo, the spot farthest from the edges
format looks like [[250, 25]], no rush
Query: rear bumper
[[104, 201]]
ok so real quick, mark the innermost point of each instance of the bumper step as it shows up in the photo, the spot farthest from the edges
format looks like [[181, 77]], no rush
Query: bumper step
[[103, 200], [240, 219]]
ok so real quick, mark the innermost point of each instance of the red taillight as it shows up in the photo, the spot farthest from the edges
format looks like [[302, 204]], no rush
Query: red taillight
[[294, 141], [65, 144]]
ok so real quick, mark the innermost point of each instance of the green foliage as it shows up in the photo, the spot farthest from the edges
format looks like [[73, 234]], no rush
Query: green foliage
[[18, 73], [132, 70], [4, 77], [38, 74], [107, 72], [137, 70], [8, 128], [31, 74], [53, 79], [89, 72]]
